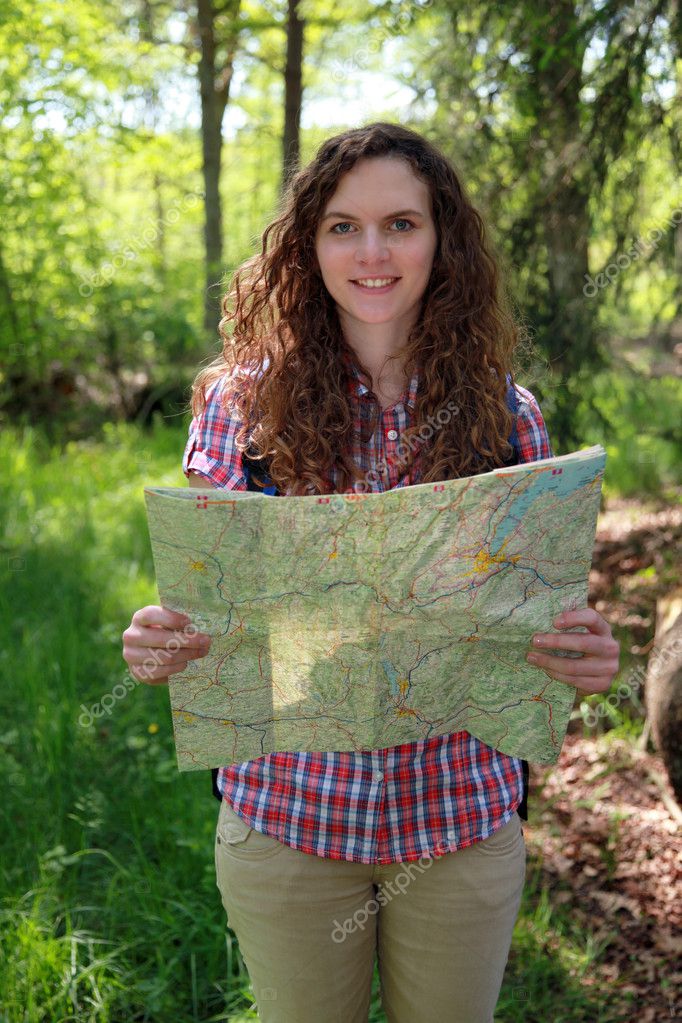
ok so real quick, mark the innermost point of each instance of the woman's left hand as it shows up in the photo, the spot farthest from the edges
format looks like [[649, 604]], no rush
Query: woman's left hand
[[596, 669]]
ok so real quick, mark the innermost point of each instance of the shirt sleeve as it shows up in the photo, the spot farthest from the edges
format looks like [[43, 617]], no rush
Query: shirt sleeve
[[534, 440], [210, 449]]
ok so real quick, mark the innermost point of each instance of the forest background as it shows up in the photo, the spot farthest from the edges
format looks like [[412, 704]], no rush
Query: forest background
[[143, 149]]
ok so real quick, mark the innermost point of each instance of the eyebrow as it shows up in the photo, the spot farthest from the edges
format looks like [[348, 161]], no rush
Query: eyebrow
[[351, 216]]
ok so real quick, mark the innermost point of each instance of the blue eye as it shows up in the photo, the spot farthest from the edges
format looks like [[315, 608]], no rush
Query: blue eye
[[398, 220]]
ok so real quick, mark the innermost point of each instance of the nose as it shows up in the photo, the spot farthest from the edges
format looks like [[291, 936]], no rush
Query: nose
[[371, 246]]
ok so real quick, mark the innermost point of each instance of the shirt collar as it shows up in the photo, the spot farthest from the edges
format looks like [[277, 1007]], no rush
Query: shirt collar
[[358, 387]]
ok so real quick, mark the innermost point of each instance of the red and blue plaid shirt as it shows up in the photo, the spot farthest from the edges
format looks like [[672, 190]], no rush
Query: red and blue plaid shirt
[[385, 805]]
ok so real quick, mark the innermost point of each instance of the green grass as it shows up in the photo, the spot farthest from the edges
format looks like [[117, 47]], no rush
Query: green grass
[[108, 904]]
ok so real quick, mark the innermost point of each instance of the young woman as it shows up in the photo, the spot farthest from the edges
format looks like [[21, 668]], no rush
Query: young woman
[[375, 302]]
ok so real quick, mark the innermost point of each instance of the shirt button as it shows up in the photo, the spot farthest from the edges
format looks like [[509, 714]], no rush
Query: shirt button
[[392, 434], [378, 775]]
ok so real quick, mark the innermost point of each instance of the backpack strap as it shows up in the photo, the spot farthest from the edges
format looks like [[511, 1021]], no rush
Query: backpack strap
[[513, 406], [256, 472], [214, 781]]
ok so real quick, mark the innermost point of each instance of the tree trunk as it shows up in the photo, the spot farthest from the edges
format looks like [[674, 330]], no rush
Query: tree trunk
[[151, 96], [570, 330], [663, 688], [293, 94], [10, 305], [214, 87]]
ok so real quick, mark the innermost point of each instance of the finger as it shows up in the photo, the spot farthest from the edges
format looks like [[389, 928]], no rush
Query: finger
[[158, 665], [588, 685], [148, 655], [573, 666], [141, 675], [153, 674], [586, 616], [163, 616], [583, 641], [145, 636]]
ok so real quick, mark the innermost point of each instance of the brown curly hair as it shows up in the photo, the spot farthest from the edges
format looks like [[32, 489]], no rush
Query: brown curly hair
[[285, 352]]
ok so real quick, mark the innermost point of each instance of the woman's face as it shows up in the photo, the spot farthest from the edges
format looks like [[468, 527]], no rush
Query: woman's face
[[377, 227]]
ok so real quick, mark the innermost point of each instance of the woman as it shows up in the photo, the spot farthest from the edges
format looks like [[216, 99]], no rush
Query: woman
[[373, 305]]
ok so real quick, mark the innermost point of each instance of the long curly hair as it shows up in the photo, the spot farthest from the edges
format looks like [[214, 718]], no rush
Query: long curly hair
[[283, 347]]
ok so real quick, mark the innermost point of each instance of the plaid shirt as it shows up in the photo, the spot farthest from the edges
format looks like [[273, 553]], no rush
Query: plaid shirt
[[385, 805]]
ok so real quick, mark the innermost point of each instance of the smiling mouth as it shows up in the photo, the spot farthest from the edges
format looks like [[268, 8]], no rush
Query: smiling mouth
[[375, 283]]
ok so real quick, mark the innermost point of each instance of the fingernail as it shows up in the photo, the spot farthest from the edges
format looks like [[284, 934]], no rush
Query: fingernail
[[532, 657]]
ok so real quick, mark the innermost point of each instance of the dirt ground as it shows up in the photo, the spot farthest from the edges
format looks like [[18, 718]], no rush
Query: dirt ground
[[604, 821], [612, 850]]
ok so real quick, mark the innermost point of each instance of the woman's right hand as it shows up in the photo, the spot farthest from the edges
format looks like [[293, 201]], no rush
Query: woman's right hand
[[159, 643]]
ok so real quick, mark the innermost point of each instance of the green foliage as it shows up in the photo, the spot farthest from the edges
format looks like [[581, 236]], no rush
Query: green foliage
[[108, 904], [637, 419], [99, 921], [101, 255], [101, 278], [108, 907]]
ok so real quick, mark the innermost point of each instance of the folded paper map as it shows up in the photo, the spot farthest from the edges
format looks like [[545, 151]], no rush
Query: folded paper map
[[358, 622]]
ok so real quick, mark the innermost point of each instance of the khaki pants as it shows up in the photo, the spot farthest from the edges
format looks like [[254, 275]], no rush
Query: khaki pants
[[309, 927]]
